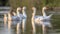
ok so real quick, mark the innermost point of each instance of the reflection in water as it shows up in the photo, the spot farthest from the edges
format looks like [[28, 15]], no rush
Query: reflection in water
[[21, 24], [5, 31], [45, 25], [44, 29], [34, 33], [18, 28], [55, 22], [9, 25], [24, 25], [17, 24], [5, 28], [5, 23], [5, 19]]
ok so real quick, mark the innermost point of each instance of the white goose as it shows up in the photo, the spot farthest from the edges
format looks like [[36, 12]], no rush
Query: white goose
[[35, 19], [19, 14], [23, 11], [24, 20], [22, 17], [12, 18], [40, 20], [15, 16], [46, 20]]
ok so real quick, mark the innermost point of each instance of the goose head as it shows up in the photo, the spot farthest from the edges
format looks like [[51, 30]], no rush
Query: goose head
[[18, 9], [45, 8], [24, 8], [34, 11], [14, 13], [33, 8]]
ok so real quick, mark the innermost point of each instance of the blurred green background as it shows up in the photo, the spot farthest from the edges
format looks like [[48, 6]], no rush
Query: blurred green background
[[29, 3]]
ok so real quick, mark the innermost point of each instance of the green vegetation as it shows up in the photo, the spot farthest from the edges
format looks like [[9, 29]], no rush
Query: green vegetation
[[4, 3], [30, 3], [37, 3]]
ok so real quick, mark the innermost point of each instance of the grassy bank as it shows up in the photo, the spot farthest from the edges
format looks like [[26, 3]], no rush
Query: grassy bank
[[29, 3], [37, 3]]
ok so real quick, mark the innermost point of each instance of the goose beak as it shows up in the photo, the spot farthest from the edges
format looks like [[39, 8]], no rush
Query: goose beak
[[49, 8]]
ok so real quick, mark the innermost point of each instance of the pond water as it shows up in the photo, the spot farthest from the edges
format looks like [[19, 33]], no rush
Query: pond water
[[6, 29]]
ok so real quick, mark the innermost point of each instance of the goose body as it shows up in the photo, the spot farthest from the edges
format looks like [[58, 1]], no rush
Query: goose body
[[37, 19], [22, 17], [13, 17], [40, 20]]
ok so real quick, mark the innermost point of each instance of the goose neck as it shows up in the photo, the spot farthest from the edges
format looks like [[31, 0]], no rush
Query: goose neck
[[43, 12], [24, 13], [33, 14], [17, 12]]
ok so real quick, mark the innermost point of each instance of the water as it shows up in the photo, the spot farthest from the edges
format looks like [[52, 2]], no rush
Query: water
[[5, 27]]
